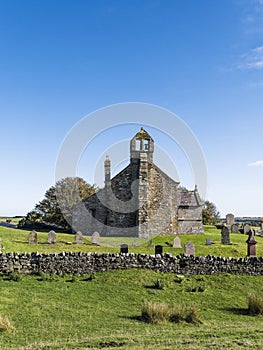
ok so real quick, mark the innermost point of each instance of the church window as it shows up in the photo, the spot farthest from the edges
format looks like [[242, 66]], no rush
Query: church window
[[138, 145], [146, 145]]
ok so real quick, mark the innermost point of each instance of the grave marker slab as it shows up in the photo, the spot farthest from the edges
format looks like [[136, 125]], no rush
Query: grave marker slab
[[235, 228], [51, 238], [95, 238], [230, 220], [158, 249], [177, 242], [124, 248], [247, 229], [79, 238], [208, 241], [135, 244], [189, 249], [225, 238], [32, 237]]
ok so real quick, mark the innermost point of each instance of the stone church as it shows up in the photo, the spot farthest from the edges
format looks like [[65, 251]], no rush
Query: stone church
[[141, 200]]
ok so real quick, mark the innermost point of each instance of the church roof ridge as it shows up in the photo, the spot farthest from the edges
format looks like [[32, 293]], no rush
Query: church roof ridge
[[143, 134]]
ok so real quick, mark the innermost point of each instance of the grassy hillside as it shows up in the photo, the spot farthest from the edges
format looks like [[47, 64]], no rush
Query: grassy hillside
[[61, 314], [17, 240]]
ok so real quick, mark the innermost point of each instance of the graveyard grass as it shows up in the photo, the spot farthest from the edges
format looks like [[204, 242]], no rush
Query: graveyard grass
[[15, 240], [78, 313]]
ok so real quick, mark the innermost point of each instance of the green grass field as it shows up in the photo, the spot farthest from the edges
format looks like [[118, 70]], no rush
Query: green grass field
[[64, 313], [61, 314], [15, 240]]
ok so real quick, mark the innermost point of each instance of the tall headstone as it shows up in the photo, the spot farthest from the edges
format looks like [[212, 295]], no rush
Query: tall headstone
[[51, 238], [251, 244], [95, 238], [230, 220], [235, 228], [32, 237], [247, 229], [225, 238], [189, 249], [177, 242], [261, 226], [79, 238], [124, 248]]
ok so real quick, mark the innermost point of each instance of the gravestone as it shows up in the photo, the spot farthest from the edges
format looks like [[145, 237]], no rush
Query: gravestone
[[151, 245], [235, 228], [177, 242], [124, 248], [261, 225], [251, 244], [79, 238], [225, 238], [51, 237], [208, 241], [95, 238], [189, 249], [230, 220], [32, 237], [135, 244], [247, 229], [158, 249]]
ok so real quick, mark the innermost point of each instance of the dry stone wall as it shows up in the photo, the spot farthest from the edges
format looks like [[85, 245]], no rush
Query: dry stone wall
[[86, 263]]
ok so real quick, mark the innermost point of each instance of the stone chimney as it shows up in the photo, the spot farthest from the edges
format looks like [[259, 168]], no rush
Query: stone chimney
[[107, 168]]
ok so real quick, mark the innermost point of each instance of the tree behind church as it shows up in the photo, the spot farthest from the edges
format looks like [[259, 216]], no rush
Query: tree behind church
[[210, 214], [49, 210]]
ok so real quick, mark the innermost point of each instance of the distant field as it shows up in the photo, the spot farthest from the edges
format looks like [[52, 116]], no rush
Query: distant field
[[14, 220], [15, 240]]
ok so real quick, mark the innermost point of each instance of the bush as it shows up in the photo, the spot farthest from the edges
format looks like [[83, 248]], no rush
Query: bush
[[255, 305], [192, 315], [177, 314], [155, 312], [5, 324]]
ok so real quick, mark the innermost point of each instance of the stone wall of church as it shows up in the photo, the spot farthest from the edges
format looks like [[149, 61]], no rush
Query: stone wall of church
[[190, 227], [162, 205], [190, 213]]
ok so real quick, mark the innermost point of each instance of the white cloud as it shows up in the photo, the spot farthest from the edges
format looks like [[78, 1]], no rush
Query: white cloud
[[257, 163], [253, 59]]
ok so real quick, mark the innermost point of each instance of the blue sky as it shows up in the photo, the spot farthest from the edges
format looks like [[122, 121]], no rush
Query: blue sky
[[202, 60]]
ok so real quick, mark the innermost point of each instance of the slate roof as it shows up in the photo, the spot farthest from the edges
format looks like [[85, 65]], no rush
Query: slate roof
[[189, 198]]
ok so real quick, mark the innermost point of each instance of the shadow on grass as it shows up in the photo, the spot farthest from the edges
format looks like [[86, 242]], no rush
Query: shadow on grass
[[236, 310], [138, 318]]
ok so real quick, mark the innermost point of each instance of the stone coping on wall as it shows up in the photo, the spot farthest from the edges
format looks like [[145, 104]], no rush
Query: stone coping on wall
[[86, 263]]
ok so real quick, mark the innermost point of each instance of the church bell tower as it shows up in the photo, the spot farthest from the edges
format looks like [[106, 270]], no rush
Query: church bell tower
[[142, 146]]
